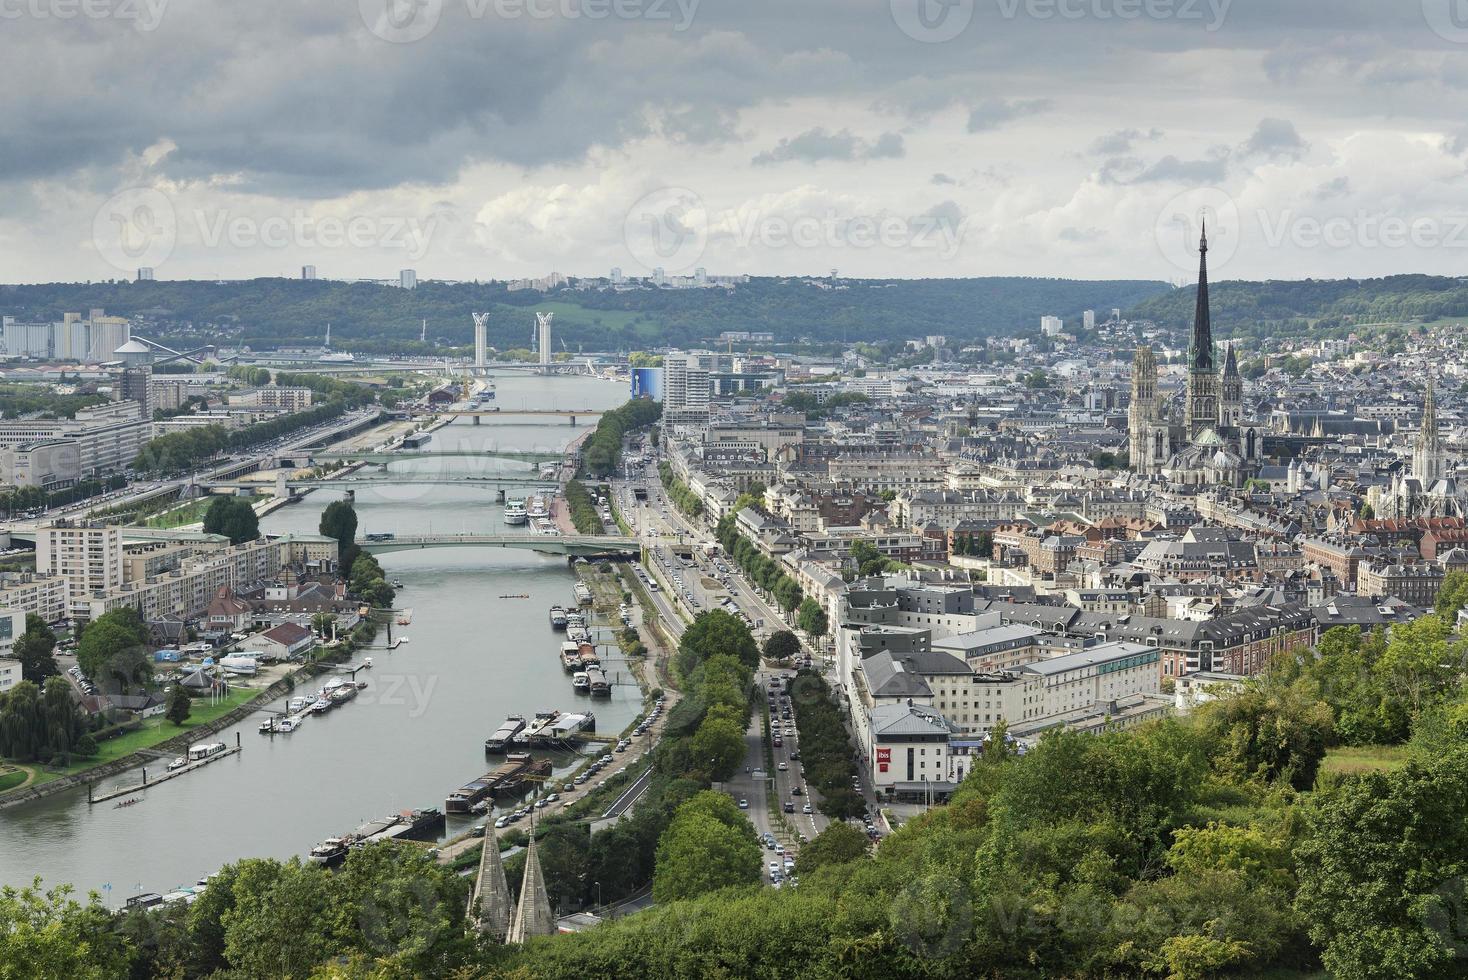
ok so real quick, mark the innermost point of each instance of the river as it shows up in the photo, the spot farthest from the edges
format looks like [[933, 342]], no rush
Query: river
[[413, 735]]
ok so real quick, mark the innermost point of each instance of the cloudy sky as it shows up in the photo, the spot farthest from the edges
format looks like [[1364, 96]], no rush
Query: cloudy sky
[[906, 138]]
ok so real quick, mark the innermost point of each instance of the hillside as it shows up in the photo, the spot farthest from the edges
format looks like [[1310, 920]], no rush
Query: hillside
[[270, 312], [1323, 306]]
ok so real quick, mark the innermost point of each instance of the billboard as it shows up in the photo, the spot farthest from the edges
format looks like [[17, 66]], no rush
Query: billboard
[[647, 382]]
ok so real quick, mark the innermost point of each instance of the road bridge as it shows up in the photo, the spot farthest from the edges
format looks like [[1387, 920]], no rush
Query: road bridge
[[391, 480], [391, 456], [479, 414], [581, 545]]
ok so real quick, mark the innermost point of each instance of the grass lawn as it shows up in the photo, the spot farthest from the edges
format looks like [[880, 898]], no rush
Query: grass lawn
[[149, 735], [189, 513], [11, 777], [1352, 759]]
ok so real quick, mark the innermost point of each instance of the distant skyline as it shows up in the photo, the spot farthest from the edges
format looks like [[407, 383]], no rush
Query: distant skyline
[[479, 139]]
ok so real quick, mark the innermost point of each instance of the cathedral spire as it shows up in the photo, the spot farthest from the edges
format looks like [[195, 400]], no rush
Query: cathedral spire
[[1427, 451], [491, 893], [1200, 354], [533, 912]]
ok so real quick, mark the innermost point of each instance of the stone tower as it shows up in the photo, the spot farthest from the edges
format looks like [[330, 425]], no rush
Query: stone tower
[[489, 902], [1143, 412], [1231, 392], [533, 912], [1427, 448], [1202, 400]]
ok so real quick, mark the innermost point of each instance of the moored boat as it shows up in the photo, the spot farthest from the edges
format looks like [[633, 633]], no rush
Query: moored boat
[[581, 681], [557, 618]]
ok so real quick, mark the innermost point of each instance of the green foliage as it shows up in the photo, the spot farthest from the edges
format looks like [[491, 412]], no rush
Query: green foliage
[[812, 617], [839, 843], [782, 645], [582, 508], [339, 520], [679, 492], [816, 407], [763, 570], [233, 517], [177, 452], [825, 751], [369, 582], [42, 401], [705, 849], [602, 453], [178, 706], [718, 746], [1453, 595], [111, 646], [714, 632], [50, 934], [38, 724], [1382, 870], [1272, 729], [35, 650]]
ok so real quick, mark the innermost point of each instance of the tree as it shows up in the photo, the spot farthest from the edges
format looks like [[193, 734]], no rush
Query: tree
[[699, 854], [1272, 728], [179, 705], [812, 618], [35, 650], [101, 653], [718, 746], [1452, 597], [322, 623], [233, 517], [782, 645], [839, 843], [715, 632], [49, 934], [1419, 665], [1381, 871], [339, 521]]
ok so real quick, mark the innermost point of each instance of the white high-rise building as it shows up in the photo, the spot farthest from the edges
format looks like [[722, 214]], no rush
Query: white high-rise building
[[617, 278], [1088, 319], [89, 558], [687, 388], [481, 339], [308, 272], [408, 279], [145, 274], [1051, 326]]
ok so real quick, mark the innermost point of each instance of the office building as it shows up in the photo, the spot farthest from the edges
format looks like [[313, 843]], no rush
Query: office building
[[145, 274], [1051, 326], [308, 272], [686, 388], [408, 279], [88, 558]]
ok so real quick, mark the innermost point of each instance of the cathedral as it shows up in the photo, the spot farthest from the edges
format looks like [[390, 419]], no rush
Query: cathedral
[[1212, 444], [1429, 489]]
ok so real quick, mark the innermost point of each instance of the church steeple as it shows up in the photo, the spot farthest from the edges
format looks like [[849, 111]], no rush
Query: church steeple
[[1200, 352], [1427, 451], [1202, 398]]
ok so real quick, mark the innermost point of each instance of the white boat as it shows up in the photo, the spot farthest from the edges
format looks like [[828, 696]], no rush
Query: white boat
[[240, 665], [287, 725], [320, 706], [296, 705], [515, 512], [537, 507], [581, 681]]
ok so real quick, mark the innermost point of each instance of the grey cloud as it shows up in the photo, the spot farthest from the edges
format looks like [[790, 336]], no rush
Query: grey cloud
[[941, 179], [1187, 171], [1083, 235], [996, 112], [1122, 140], [1275, 138], [1339, 187], [817, 144]]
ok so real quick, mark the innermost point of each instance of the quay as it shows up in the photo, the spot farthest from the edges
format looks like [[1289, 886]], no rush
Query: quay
[[172, 774]]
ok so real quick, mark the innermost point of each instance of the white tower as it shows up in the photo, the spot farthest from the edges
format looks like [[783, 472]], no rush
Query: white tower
[[481, 339], [543, 333]]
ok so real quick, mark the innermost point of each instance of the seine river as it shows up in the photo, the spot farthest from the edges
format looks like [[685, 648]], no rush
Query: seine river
[[414, 734]]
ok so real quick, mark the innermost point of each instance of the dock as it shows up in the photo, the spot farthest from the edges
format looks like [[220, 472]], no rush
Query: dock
[[148, 783]]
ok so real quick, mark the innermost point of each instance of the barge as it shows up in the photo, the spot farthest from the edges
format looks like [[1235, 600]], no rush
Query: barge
[[504, 735], [507, 780]]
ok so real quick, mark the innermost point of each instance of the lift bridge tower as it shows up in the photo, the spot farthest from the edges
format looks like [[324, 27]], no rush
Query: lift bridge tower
[[481, 343], [543, 340]]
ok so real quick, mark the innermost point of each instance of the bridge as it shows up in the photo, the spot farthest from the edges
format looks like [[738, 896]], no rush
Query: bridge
[[478, 414], [393, 456], [391, 480], [581, 545]]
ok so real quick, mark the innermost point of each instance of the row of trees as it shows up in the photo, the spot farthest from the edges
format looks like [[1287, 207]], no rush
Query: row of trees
[[582, 508], [176, 452], [760, 568], [602, 451], [979, 544], [679, 492], [825, 748], [14, 499]]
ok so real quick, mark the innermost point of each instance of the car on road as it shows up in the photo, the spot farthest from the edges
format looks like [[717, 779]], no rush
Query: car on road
[[789, 807], [796, 791], [782, 767], [743, 804], [805, 809]]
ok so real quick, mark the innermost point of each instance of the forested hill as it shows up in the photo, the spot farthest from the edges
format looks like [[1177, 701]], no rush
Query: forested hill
[[269, 312], [1323, 305]]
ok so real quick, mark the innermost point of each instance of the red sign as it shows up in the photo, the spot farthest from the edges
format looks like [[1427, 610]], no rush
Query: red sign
[[881, 767], [884, 755]]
